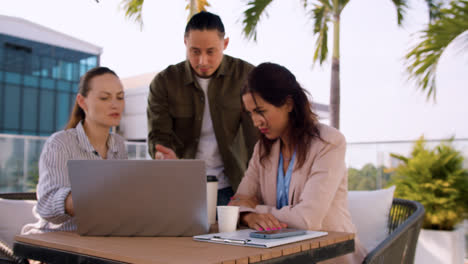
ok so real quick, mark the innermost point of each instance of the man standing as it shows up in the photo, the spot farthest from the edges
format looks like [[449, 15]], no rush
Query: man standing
[[195, 110]]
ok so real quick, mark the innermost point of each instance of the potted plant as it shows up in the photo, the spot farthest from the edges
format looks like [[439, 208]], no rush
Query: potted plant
[[436, 178]]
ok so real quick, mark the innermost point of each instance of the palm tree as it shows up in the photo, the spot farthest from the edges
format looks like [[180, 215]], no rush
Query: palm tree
[[133, 8], [446, 28], [323, 13]]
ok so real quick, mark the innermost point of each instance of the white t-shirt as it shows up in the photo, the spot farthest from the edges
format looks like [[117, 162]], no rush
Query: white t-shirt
[[208, 146]]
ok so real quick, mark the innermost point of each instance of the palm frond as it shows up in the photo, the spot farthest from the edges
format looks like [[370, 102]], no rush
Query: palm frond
[[325, 3], [321, 15], [434, 9], [133, 10], [401, 6], [256, 8], [423, 59], [341, 6]]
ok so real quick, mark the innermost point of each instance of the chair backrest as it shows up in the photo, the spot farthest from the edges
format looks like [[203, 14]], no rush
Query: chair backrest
[[6, 253], [405, 221]]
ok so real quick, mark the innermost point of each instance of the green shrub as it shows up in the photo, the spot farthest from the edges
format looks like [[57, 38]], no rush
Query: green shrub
[[368, 177], [435, 178]]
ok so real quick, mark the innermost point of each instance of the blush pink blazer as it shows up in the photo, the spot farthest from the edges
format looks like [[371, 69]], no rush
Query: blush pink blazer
[[318, 192]]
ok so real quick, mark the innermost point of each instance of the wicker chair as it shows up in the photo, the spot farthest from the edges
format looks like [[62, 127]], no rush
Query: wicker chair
[[6, 253], [405, 221]]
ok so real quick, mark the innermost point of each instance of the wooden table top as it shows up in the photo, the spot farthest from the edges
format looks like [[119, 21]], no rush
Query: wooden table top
[[171, 249]]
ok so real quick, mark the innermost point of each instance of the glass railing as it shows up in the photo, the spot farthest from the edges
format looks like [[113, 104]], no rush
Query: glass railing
[[369, 164], [19, 158], [137, 150]]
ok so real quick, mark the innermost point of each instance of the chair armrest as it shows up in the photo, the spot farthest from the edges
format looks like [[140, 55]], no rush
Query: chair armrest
[[400, 245], [7, 256]]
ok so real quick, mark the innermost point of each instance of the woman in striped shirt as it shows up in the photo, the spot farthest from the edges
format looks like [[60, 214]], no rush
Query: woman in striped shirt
[[98, 107]]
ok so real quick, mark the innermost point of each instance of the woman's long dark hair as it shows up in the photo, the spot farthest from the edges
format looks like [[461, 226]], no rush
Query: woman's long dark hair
[[275, 84], [78, 113]]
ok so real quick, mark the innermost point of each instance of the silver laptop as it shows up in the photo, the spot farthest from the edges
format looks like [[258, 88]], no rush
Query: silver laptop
[[139, 197]]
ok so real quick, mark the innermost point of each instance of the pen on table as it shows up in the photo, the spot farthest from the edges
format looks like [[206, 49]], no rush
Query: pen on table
[[229, 240]]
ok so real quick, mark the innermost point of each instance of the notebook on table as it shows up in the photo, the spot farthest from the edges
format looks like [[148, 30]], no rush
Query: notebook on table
[[139, 197], [242, 238]]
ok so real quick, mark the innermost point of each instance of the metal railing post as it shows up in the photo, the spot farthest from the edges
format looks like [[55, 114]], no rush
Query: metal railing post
[[25, 161]]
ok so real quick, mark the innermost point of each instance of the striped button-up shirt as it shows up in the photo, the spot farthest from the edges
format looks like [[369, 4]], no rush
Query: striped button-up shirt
[[54, 184]]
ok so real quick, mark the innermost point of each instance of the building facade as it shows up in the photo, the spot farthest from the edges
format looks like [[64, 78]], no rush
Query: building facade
[[39, 74]]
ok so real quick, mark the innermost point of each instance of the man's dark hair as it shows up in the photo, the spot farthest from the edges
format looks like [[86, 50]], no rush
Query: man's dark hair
[[205, 21]]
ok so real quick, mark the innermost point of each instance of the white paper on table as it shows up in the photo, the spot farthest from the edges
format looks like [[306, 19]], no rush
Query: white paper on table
[[242, 238]]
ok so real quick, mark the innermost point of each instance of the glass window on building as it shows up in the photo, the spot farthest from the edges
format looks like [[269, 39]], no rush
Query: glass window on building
[[29, 80], [56, 72], [35, 66], [47, 65], [92, 61], [15, 56], [76, 72], [66, 70], [83, 67], [1, 58], [63, 86], [1, 104], [46, 112], [59, 70], [12, 77], [12, 95], [29, 111], [63, 110], [47, 83], [38, 85], [87, 64]]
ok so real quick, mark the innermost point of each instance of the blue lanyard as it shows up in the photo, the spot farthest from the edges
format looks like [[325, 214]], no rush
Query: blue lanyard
[[282, 182]]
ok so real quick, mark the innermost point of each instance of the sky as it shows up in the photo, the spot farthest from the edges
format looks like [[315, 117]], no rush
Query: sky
[[378, 103]]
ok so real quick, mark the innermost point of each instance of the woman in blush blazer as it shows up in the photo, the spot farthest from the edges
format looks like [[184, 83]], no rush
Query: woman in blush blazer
[[297, 175]]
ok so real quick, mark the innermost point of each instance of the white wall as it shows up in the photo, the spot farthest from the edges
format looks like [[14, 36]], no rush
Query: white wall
[[134, 122]]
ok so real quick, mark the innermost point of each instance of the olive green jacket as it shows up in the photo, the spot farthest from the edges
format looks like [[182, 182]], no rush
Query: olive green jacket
[[175, 112]]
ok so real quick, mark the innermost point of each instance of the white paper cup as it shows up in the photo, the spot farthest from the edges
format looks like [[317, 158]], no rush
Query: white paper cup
[[227, 218], [212, 198]]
